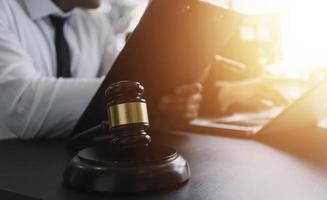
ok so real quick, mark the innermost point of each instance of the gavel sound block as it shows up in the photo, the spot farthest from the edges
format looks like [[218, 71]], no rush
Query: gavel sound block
[[123, 160]]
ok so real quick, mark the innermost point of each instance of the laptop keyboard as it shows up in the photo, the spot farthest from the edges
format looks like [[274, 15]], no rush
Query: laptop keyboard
[[249, 119]]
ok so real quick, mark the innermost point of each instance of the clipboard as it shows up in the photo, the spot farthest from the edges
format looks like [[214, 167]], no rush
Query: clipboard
[[174, 42]]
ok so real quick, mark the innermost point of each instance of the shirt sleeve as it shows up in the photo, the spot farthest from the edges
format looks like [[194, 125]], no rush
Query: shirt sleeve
[[34, 106]]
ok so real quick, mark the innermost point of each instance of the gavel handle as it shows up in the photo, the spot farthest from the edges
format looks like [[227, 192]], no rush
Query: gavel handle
[[90, 137]]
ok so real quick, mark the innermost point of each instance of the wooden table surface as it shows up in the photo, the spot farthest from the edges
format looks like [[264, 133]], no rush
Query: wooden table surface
[[222, 168]]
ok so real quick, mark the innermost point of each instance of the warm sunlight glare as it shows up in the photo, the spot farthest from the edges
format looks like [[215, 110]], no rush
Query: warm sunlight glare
[[305, 33]]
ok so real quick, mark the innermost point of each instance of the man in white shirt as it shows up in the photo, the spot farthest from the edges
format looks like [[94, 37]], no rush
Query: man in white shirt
[[52, 57]]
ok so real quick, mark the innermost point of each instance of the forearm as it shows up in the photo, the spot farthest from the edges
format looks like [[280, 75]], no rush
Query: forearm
[[41, 107]]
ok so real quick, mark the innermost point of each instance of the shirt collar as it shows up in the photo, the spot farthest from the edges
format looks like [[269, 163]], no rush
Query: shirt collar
[[38, 9]]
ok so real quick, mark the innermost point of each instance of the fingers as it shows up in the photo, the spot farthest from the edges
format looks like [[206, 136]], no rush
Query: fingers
[[269, 93], [183, 107], [195, 99], [190, 116], [179, 108], [176, 113], [251, 106], [183, 104], [189, 89], [176, 99]]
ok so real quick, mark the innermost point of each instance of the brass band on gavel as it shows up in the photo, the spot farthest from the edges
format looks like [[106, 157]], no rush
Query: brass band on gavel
[[127, 113]]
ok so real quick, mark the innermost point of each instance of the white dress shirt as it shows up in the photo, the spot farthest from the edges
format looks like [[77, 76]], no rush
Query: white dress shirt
[[33, 102]]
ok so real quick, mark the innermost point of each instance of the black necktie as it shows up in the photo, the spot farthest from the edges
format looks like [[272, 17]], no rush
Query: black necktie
[[62, 48]]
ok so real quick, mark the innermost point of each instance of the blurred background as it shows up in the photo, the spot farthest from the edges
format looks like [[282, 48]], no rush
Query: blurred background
[[284, 41], [294, 28]]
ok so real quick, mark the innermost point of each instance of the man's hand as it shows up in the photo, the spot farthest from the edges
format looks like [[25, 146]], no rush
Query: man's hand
[[183, 105], [252, 95]]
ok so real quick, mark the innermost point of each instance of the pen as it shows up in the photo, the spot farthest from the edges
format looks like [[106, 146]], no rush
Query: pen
[[218, 58], [232, 63]]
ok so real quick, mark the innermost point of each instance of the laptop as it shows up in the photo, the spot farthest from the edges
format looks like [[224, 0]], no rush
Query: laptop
[[173, 44], [305, 112]]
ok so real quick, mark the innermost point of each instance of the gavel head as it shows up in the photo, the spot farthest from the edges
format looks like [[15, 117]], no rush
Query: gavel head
[[127, 115]]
